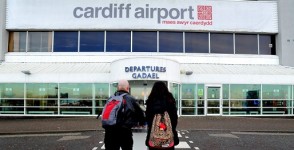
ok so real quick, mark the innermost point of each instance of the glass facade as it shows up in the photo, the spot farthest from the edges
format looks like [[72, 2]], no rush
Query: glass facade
[[142, 41], [118, 41], [65, 41], [192, 99], [246, 44], [39, 41], [171, 42], [196, 42], [91, 41], [222, 43]]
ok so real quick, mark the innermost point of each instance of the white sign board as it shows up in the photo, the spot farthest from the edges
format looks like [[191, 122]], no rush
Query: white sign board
[[145, 69], [194, 15]]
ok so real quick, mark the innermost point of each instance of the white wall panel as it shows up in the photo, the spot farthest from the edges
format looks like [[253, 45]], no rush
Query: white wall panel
[[237, 16]]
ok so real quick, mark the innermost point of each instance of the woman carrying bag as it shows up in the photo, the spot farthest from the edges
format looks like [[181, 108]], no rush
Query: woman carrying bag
[[158, 103]]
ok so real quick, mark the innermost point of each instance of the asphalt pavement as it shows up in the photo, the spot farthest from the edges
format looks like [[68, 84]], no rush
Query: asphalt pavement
[[24, 125]]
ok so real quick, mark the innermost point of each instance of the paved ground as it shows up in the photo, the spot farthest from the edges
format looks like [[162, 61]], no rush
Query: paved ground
[[16, 125]]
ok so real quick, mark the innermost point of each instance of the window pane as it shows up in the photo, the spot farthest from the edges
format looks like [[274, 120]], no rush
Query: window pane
[[65, 41], [92, 41], [246, 44], [200, 91], [17, 42], [196, 42], [226, 89], [245, 91], [7, 104], [118, 41], [171, 42], [221, 43], [276, 91], [188, 91], [75, 90], [144, 41], [12, 90], [101, 91], [267, 45], [42, 90], [39, 42]]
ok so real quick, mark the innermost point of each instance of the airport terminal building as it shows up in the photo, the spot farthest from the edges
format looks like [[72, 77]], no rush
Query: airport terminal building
[[217, 57]]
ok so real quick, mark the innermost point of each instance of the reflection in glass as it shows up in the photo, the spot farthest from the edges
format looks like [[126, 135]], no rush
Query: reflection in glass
[[101, 91], [75, 90], [188, 111], [188, 91], [42, 90], [118, 41], [245, 91], [40, 102], [267, 45], [276, 91], [11, 110], [100, 103], [171, 42], [39, 41], [238, 103], [213, 110], [226, 91], [91, 41], [65, 41], [11, 102], [144, 41], [246, 44], [213, 93], [17, 42], [188, 103], [221, 43], [200, 91], [12, 90], [200, 103], [212, 103], [196, 42], [200, 111]]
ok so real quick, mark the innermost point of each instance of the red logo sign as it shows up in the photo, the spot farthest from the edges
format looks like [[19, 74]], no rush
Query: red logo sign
[[204, 12]]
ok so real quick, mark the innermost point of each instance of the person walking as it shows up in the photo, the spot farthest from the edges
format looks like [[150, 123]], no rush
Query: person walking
[[120, 135], [159, 101]]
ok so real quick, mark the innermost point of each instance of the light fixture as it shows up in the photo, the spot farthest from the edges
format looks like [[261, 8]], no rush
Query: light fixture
[[189, 73], [27, 72]]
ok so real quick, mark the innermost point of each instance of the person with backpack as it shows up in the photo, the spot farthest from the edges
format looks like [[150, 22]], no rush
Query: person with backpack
[[119, 115], [162, 118]]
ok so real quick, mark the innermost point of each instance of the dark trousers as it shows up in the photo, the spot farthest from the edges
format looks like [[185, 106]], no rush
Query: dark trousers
[[116, 138]]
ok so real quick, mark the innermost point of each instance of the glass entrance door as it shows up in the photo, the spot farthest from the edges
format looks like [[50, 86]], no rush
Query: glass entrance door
[[140, 89], [213, 100]]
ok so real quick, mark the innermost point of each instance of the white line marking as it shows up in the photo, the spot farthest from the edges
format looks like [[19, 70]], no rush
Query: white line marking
[[95, 148], [179, 135], [186, 137], [191, 141], [100, 142], [183, 145], [103, 147], [197, 148]]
